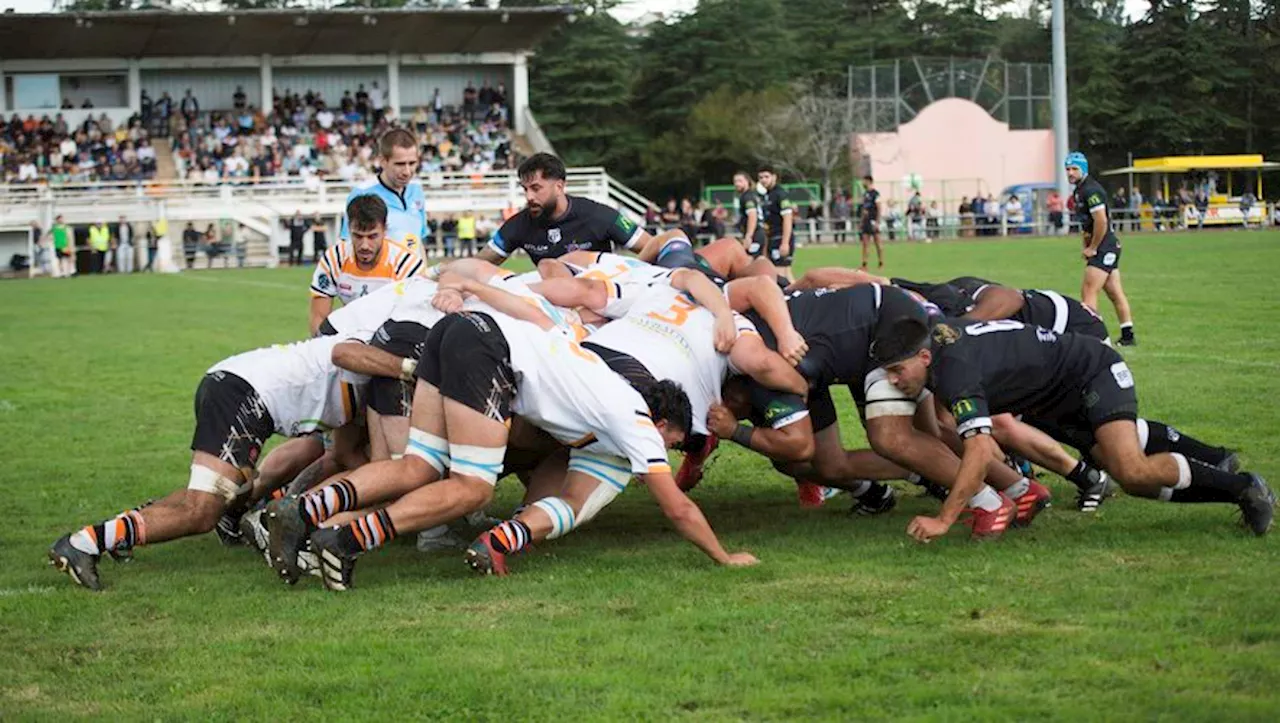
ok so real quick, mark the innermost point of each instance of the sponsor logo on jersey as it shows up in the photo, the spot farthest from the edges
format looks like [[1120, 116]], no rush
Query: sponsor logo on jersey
[[963, 409], [324, 281]]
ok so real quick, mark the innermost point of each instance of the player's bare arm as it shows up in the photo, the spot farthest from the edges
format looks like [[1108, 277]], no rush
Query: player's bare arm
[[762, 295], [712, 299], [792, 442], [835, 277], [1100, 229], [358, 357], [502, 301], [752, 357], [996, 302], [321, 307], [689, 520], [979, 450]]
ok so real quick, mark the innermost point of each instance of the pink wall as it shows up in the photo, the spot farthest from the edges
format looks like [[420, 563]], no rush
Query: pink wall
[[959, 150]]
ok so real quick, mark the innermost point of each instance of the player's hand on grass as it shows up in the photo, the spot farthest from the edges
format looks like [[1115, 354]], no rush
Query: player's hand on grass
[[720, 421], [792, 347], [725, 333], [741, 559], [924, 529]]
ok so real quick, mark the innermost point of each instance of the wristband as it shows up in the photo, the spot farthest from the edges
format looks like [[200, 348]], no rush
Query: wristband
[[742, 435], [433, 272], [407, 369]]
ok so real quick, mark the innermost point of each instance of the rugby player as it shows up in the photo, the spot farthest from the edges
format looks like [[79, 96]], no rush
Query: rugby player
[[749, 223], [398, 186], [1078, 390], [363, 262], [778, 212], [553, 223], [241, 402], [869, 220], [1101, 245]]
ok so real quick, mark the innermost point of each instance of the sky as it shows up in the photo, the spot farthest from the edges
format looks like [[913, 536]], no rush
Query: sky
[[625, 11]]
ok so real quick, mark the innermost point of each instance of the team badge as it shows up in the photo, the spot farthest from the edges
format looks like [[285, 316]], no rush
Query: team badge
[[553, 235], [944, 334]]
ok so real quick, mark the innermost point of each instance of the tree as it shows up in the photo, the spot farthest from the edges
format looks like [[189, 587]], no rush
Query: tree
[[811, 135]]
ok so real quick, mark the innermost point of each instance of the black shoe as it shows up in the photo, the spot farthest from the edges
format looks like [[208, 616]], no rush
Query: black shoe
[[1128, 340], [1089, 499], [1257, 505], [336, 565], [1230, 463], [228, 530], [81, 566], [934, 490], [254, 532], [877, 500], [288, 534]]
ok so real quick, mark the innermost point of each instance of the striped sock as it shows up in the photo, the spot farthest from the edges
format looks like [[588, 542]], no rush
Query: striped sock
[[326, 502], [118, 533], [510, 537], [372, 530]]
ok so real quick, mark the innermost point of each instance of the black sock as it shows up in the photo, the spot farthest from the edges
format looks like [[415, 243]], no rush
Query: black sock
[[1163, 438], [1202, 475], [1126, 331], [1084, 476], [1193, 495]]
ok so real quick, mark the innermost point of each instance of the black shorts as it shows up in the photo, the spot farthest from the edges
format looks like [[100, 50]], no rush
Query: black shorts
[[467, 358], [758, 244], [326, 329], [624, 365], [1108, 256], [775, 252], [1052, 310], [1108, 397], [406, 339], [868, 227], [679, 254], [63, 253], [232, 422]]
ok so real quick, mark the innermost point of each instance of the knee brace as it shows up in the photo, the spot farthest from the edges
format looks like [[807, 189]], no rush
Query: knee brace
[[481, 462], [561, 514], [434, 450]]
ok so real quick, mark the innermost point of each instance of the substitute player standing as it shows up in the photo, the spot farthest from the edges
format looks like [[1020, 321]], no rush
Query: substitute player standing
[[777, 211], [749, 214], [869, 218], [398, 186], [1101, 245]]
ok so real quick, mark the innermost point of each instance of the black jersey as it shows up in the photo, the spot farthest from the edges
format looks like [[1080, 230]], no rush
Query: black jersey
[[585, 226], [1089, 197], [774, 205], [950, 300], [1042, 307], [870, 207], [839, 327], [994, 367], [749, 201]]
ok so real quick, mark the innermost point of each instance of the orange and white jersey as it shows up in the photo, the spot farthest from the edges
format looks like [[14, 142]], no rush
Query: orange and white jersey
[[674, 338], [339, 275], [299, 384]]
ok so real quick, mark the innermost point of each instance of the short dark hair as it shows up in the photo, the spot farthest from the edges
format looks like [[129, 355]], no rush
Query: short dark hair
[[899, 339], [868, 178], [551, 167], [365, 212], [766, 168], [668, 403], [396, 138]]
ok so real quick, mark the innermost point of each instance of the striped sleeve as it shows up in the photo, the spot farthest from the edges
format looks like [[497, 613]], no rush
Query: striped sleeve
[[324, 282]]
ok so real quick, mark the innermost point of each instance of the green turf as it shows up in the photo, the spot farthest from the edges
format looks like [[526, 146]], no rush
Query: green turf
[[1146, 611]]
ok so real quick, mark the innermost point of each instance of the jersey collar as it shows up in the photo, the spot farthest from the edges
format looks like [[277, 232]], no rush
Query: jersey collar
[[398, 194]]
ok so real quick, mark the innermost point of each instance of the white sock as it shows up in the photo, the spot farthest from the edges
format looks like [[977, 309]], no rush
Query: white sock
[[1127, 325], [987, 499], [1019, 488]]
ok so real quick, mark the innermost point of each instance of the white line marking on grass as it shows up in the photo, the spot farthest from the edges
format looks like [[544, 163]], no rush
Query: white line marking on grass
[[244, 282]]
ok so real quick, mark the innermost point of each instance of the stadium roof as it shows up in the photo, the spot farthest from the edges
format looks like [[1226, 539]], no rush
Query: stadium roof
[[348, 31]]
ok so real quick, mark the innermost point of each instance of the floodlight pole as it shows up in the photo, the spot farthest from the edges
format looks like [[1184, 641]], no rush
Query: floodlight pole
[[1060, 97]]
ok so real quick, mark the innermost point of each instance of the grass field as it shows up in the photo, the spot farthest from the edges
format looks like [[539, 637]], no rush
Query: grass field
[[1145, 611]]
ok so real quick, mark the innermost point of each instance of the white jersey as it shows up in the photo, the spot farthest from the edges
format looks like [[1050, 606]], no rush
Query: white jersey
[[623, 270], [577, 399], [402, 301], [674, 338], [299, 384]]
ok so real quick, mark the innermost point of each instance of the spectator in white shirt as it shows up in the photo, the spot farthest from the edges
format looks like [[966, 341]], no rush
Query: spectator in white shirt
[[325, 118], [27, 172]]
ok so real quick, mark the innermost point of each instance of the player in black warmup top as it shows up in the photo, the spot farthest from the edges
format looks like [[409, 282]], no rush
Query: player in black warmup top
[[869, 217], [778, 213], [1074, 388], [1101, 245], [553, 223], [750, 224]]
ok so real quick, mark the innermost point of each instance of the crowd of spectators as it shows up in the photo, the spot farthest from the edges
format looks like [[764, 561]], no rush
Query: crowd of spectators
[[50, 149], [304, 135]]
